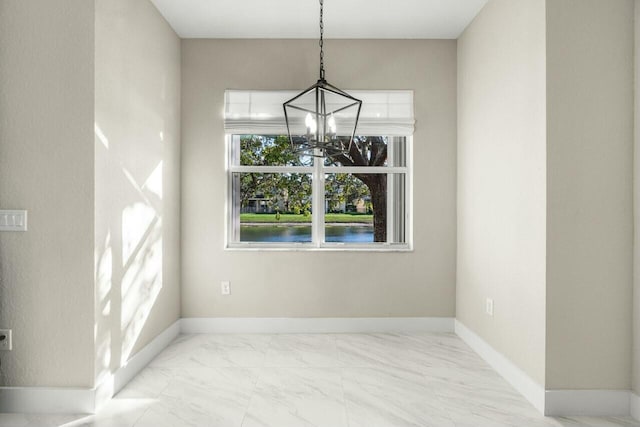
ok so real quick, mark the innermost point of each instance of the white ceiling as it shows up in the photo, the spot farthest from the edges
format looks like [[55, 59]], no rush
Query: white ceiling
[[361, 19]]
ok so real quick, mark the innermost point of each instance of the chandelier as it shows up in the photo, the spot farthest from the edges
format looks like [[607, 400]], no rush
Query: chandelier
[[322, 120]]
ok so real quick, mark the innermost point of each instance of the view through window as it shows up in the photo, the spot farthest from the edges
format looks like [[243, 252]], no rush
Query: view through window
[[281, 199]]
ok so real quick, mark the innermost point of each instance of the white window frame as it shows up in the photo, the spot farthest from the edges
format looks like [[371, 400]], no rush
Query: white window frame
[[317, 172]]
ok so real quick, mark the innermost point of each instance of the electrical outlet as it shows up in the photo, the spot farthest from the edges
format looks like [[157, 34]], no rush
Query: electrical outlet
[[5, 340], [489, 307], [225, 288]]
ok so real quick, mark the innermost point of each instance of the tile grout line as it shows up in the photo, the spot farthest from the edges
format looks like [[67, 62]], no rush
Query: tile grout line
[[438, 399], [137, 420], [253, 393], [255, 385], [172, 377], [344, 393], [140, 417]]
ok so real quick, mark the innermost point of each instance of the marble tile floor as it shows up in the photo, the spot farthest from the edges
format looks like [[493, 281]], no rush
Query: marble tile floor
[[332, 380]]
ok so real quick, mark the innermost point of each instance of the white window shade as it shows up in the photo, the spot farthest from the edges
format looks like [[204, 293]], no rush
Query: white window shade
[[384, 112]]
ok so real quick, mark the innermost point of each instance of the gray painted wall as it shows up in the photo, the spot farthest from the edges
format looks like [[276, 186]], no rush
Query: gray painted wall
[[137, 158], [501, 180], [636, 210], [46, 167], [589, 193], [563, 308], [53, 78], [318, 284], [48, 155]]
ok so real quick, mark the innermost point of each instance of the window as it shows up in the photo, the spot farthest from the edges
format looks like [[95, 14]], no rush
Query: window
[[278, 199]]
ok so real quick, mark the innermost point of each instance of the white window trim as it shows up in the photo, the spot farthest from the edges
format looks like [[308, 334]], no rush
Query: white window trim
[[318, 172]]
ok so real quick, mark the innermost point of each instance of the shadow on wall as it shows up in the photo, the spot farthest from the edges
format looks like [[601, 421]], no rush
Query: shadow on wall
[[129, 248]]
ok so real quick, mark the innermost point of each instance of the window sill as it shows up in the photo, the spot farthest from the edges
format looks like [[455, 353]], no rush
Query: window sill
[[334, 247]]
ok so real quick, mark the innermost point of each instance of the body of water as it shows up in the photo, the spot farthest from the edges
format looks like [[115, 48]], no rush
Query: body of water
[[302, 233]]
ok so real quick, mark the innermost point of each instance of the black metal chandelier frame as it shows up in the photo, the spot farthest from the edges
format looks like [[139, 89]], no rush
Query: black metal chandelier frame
[[318, 142]]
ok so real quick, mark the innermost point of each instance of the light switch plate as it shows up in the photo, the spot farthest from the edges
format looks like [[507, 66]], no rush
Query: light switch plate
[[13, 220], [5, 342]]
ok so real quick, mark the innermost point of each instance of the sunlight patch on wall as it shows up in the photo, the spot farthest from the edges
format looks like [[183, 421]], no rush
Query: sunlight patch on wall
[[104, 284], [141, 285], [104, 269], [100, 135], [154, 181], [103, 359], [136, 222]]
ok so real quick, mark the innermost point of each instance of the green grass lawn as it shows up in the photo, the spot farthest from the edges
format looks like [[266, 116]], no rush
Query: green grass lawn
[[329, 217]]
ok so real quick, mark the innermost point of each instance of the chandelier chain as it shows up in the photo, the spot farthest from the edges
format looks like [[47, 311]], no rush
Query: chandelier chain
[[321, 40], [313, 130]]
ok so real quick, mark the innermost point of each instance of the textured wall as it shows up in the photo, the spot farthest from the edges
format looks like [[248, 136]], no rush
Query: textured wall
[[137, 157], [46, 167], [501, 180], [589, 193], [636, 210], [318, 284]]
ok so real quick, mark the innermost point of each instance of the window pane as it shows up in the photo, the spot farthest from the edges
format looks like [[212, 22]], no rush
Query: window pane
[[373, 151], [271, 207], [365, 208], [266, 150]]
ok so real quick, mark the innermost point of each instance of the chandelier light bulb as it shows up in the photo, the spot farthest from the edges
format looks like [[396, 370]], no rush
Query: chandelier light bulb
[[311, 124], [332, 126]]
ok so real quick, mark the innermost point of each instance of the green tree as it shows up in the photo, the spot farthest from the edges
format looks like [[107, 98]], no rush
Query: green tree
[[288, 192], [370, 151], [344, 188], [292, 191]]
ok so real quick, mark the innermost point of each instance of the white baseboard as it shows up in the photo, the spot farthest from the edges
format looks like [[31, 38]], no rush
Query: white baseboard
[[49, 400], [596, 403], [515, 376], [552, 402], [116, 381], [634, 405], [272, 325], [143, 357], [57, 400]]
